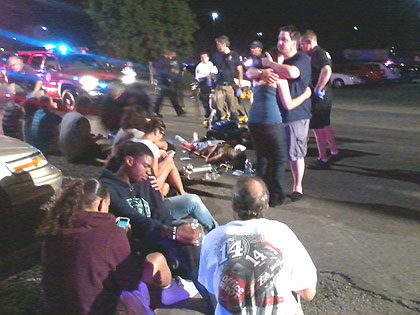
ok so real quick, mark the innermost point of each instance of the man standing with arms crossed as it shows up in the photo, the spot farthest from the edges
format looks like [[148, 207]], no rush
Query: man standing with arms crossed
[[229, 66], [321, 100], [296, 68]]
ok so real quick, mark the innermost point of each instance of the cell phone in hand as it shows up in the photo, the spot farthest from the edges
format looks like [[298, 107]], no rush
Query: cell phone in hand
[[123, 222], [171, 153]]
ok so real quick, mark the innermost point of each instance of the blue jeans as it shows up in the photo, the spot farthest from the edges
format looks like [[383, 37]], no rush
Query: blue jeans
[[180, 207]]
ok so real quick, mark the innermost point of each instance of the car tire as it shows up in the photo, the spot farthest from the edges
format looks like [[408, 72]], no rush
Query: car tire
[[68, 98], [338, 83]]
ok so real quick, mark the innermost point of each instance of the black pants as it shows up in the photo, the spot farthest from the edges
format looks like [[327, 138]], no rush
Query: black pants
[[271, 148], [183, 260], [204, 98], [171, 93]]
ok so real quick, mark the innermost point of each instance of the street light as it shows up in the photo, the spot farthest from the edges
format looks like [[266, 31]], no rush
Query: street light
[[214, 16]]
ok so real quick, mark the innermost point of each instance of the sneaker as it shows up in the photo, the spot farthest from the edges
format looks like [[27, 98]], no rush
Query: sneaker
[[335, 158], [158, 114], [179, 290], [318, 165], [296, 196], [181, 113]]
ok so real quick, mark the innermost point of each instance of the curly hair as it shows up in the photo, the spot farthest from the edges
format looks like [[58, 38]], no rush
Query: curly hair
[[74, 198]]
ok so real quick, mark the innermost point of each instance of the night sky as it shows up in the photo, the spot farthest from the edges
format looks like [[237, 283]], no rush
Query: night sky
[[381, 23]]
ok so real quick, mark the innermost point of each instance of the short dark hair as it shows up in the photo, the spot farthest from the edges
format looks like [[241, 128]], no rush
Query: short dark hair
[[223, 40], [45, 101], [124, 149], [250, 197], [310, 34], [131, 148], [293, 31]]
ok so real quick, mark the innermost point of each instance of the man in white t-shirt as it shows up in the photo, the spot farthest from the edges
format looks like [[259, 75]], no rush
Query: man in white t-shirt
[[254, 265], [204, 74]]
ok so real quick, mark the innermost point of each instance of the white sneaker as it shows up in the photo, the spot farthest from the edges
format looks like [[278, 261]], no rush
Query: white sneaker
[[179, 290]]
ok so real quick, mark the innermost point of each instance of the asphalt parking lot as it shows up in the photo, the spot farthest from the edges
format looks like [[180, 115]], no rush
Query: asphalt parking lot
[[360, 220]]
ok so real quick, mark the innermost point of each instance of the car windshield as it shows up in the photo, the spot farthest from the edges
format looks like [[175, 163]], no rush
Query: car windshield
[[77, 61]]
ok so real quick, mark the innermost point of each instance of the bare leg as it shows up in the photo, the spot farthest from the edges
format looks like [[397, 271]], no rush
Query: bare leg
[[321, 143], [175, 179], [169, 172], [329, 136], [156, 271], [298, 170]]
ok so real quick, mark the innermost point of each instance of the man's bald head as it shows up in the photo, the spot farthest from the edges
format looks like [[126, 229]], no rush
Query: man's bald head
[[250, 198]]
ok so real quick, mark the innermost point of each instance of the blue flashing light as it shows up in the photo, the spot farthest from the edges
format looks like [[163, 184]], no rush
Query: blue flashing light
[[49, 46], [75, 78], [63, 49], [103, 85]]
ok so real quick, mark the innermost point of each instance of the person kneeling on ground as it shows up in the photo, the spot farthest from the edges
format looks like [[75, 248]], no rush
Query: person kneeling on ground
[[253, 265], [155, 222], [86, 257]]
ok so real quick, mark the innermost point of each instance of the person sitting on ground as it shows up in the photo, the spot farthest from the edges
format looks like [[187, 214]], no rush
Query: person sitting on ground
[[45, 126], [30, 106], [163, 167], [86, 257], [13, 118], [77, 143], [253, 265], [155, 222]]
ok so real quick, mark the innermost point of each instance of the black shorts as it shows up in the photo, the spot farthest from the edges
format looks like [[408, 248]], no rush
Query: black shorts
[[321, 111]]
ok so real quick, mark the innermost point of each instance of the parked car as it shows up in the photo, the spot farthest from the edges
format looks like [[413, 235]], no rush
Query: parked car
[[339, 80], [391, 72], [66, 76], [408, 71], [25, 175], [367, 74]]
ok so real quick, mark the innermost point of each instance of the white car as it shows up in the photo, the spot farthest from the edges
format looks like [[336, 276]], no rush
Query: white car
[[339, 80], [391, 72], [25, 175]]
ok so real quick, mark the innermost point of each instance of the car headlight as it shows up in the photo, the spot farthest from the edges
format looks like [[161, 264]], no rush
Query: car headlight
[[89, 83], [26, 164]]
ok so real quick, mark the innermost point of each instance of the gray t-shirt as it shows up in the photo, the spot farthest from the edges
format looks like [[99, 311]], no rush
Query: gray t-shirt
[[75, 135]]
